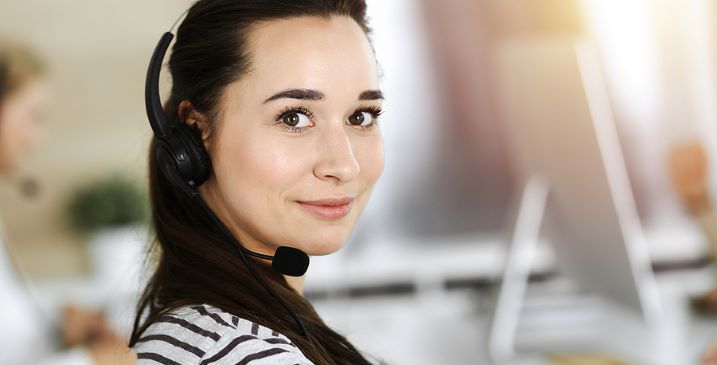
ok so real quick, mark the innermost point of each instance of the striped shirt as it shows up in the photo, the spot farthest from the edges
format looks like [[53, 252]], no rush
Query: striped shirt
[[204, 334]]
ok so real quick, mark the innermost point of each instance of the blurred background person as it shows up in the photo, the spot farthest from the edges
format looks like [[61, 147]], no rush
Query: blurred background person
[[27, 334], [689, 172], [688, 166]]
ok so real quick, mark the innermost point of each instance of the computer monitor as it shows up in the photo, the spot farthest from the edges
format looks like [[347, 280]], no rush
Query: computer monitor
[[554, 103]]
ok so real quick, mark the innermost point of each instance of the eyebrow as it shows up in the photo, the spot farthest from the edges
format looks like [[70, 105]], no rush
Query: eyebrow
[[309, 94]]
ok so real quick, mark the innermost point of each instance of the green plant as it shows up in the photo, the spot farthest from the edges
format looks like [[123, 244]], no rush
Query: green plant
[[111, 201]]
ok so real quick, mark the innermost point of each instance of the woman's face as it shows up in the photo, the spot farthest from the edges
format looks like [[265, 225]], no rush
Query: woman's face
[[19, 121], [263, 169]]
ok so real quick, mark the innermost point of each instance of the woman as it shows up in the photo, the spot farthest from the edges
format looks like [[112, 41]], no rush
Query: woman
[[26, 336], [283, 95]]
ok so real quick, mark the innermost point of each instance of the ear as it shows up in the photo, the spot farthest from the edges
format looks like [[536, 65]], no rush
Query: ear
[[196, 120]]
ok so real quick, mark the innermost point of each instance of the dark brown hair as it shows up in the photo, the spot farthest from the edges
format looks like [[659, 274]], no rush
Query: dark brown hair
[[196, 264]]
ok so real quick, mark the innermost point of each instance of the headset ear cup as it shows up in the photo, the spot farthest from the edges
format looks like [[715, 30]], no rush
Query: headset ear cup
[[198, 156], [166, 161]]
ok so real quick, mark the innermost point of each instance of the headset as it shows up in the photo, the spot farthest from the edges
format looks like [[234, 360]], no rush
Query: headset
[[183, 160]]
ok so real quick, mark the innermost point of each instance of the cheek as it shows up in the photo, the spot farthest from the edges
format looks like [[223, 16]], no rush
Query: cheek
[[256, 169], [370, 156]]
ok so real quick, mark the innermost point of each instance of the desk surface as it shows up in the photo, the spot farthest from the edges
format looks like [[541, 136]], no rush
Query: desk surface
[[431, 261]]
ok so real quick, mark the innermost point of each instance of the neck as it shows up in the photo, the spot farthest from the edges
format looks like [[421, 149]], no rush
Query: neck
[[297, 283]]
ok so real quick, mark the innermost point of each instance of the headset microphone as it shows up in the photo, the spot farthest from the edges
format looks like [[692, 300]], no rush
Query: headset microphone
[[290, 261], [286, 260]]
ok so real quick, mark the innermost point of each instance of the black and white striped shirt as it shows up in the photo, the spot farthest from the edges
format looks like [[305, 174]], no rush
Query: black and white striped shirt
[[204, 334]]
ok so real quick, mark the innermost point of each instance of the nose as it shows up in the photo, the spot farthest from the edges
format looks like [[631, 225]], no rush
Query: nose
[[336, 156]]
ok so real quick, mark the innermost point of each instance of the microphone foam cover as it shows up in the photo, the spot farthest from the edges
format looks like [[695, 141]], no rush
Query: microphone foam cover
[[290, 261]]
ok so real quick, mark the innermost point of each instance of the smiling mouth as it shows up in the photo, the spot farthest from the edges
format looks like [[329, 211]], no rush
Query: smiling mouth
[[328, 209]]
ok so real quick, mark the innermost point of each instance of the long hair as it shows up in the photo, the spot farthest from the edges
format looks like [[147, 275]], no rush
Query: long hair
[[195, 262]]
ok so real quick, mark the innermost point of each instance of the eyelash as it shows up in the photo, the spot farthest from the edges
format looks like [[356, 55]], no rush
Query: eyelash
[[375, 112]]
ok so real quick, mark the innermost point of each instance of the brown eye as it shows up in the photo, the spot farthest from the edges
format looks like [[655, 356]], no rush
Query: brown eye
[[291, 119], [295, 119], [359, 118]]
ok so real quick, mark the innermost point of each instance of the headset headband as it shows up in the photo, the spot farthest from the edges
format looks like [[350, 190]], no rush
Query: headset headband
[[152, 100]]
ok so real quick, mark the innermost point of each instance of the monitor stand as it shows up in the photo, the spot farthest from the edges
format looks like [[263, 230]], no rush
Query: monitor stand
[[521, 254]]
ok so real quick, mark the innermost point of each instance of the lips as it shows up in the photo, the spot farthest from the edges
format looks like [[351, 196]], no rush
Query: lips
[[334, 208]]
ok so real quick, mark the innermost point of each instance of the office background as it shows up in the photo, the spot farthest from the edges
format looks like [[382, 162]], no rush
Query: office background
[[449, 184]]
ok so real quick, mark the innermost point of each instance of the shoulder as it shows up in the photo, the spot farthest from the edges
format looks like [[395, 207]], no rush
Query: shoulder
[[204, 334]]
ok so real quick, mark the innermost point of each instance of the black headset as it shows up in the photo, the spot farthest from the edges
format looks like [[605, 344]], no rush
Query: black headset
[[183, 160], [180, 153]]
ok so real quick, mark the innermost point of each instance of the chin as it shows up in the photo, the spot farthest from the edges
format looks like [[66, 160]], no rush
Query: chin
[[324, 248]]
